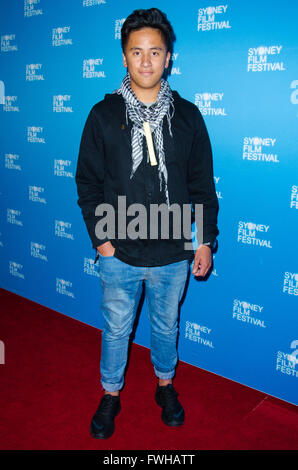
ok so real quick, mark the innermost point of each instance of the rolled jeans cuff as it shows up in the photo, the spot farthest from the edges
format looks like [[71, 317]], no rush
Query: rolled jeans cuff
[[112, 387], [164, 375]]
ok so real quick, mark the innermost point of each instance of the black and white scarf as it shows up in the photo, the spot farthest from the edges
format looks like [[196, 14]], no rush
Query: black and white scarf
[[138, 113]]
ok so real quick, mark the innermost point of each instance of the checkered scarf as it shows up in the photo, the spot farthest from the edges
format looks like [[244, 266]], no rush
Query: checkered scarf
[[138, 113]]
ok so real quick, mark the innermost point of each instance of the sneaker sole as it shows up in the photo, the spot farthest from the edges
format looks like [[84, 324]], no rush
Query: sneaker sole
[[101, 436], [172, 422]]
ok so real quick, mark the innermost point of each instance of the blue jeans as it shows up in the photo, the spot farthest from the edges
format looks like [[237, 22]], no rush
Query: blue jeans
[[121, 291]]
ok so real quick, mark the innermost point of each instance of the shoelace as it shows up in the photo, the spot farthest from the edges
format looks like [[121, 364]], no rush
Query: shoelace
[[169, 397], [106, 405]]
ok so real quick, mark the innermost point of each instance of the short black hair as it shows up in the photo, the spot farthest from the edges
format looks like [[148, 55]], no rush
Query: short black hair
[[151, 18]]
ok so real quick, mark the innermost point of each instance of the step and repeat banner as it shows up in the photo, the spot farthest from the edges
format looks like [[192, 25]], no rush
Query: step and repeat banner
[[238, 63]]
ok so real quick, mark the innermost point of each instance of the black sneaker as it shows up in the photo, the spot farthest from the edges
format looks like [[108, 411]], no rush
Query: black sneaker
[[102, 424], [172, 411]]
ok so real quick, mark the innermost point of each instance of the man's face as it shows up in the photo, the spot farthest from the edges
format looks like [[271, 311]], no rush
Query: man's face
[[146, 57]]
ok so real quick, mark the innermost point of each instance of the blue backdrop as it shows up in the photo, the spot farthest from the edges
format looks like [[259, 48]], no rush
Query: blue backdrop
[[238, 62]]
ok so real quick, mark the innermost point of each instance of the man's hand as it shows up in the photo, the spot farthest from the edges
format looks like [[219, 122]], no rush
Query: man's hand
[[202, 261], [106, 249]]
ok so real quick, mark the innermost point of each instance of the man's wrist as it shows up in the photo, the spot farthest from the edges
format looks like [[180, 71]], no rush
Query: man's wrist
[[105, 249], [205, 244], [104, 245], [211, 244]]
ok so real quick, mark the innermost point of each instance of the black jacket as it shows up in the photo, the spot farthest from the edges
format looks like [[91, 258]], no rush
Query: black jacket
[[104, 169]]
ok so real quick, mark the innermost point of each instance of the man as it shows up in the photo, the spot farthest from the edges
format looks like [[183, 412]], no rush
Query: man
[[169, 163]]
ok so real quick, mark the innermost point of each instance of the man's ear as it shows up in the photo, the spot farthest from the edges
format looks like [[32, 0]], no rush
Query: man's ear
[[124, 60], [168, 57]]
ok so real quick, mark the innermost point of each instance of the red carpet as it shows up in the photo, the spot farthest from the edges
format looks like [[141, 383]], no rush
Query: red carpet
[[50, 390]]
